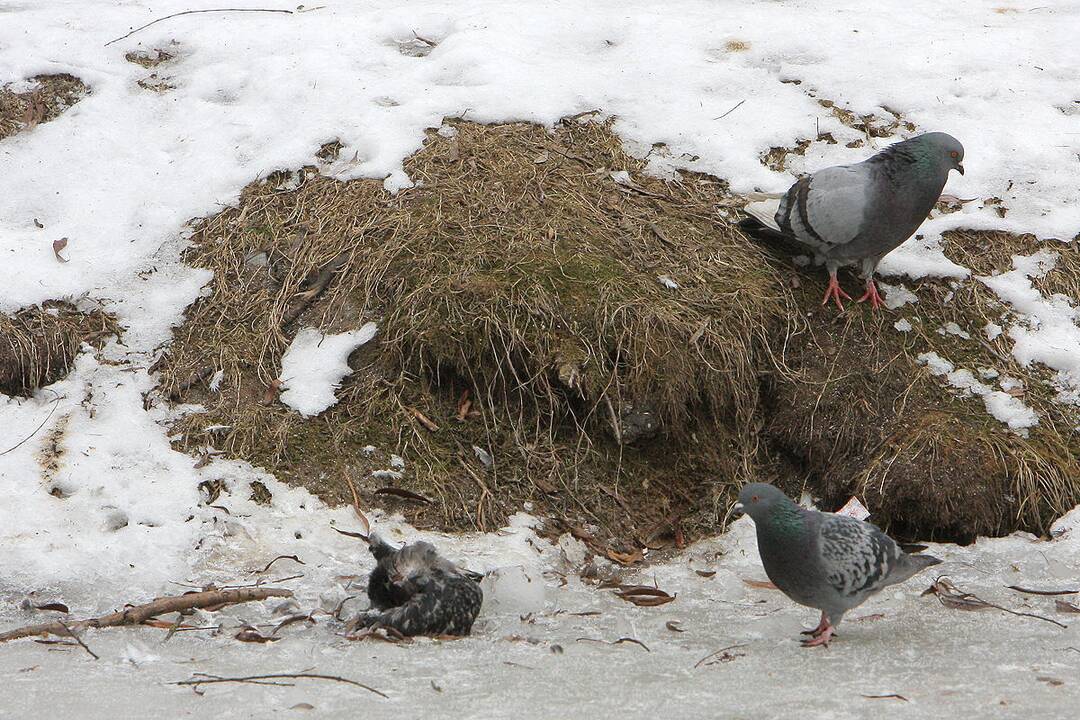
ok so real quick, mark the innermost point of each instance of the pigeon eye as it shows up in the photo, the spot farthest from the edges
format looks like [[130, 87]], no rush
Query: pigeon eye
[[954, 154], [753, 498]]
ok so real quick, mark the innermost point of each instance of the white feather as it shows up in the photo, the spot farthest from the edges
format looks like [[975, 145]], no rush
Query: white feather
[[763, 208]]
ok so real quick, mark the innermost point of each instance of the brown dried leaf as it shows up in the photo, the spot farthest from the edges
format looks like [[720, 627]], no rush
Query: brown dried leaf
[[251, 635], [1064, 606], [53, 606], [674, 626], [760, 584], [57, 246], [629, 558], [401, 493], [705, 573], [271, 392]]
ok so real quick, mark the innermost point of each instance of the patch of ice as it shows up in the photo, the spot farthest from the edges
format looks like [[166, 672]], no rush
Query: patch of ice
[[903, 325], [667, 282], [622, 177], [314, 366], [952, 328], [992, 331]]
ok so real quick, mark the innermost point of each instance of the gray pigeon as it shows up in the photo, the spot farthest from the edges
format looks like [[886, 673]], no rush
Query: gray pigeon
[[821, 560], [416, 591], [857, 214]]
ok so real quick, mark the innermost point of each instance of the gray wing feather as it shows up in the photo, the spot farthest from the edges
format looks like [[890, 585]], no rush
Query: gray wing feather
[[827, 208], [857, 557]]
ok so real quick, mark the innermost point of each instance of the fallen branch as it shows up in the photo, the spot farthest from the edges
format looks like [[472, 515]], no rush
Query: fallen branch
[[137, 614], [55, 404], [195, 12], [207, 679], [79, 640]]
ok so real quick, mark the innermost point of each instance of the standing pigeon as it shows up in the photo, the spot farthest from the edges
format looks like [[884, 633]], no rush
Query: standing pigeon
[[821, 560], [416, 591], [850, 214]]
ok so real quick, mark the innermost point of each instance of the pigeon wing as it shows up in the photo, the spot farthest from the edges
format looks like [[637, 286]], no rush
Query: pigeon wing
[[826, 209], [856, 556]]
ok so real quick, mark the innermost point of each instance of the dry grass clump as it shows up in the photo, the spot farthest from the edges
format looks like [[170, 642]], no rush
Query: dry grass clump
[[520, 271], [52, 95], [38, 345], [863, 417]]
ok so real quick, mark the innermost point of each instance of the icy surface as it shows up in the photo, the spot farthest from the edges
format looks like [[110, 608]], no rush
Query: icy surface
[[544, 649], [314, 365]]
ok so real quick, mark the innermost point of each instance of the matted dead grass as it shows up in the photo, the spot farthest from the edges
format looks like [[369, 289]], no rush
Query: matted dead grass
[[517, 270], [51, 95], [526, 311], [868, 419], [38, 344]]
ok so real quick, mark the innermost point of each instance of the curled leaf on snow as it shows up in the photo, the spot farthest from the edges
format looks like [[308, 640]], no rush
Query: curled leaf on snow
[[705, 573], [251, 635], [953, 597], [869, 618], [401, 493], [1064, 606], [760, 584], [674, 626], [299, 617], [1031, 591], [889, 696], [634, 556], [357, 535], [52, 606], [57, 246], [644, 595]]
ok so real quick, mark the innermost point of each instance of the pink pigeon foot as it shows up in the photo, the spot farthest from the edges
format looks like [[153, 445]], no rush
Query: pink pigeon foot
[[819, 629], [834, 292], [871, 294], [821, 639]]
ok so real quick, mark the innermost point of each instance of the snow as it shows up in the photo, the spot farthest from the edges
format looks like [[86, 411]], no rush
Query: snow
[[903, 325], [1003, 406], [99, 509], [315, 364], [897, 296], [1047, 330]]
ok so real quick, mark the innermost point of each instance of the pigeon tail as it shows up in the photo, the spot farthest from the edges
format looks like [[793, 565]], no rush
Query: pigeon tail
[[763, 208], [924, 561]]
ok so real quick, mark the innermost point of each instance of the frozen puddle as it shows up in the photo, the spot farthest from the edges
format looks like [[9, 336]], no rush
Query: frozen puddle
[[549, 664]]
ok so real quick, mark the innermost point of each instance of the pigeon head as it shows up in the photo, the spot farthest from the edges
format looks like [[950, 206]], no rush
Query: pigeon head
[[941, 150], [760, 501]]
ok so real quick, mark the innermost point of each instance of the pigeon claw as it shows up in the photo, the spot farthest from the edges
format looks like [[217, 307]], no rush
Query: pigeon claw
[[821, 626], [834, 292], [871, 294], [821, 639]]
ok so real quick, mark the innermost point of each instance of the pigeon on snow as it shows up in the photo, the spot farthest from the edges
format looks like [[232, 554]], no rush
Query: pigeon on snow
[[857, 214], [416, 591], [821, 560]]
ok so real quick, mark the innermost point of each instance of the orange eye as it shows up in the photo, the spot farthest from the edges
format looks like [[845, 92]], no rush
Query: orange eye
[[954, 154], [753, 498]]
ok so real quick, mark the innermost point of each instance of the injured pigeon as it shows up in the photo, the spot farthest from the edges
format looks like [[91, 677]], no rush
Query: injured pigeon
[[857, 214], [821, 560], [415, 591]]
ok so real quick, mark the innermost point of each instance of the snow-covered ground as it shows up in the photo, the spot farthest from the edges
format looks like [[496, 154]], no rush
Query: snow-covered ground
[[122, 172]]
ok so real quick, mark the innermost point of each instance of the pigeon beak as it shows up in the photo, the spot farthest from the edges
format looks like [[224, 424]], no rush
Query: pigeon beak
[[960, 167], [737, 511]]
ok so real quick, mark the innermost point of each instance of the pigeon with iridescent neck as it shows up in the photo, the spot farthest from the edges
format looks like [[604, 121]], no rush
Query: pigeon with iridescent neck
[[821, 560], [857, 214]]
